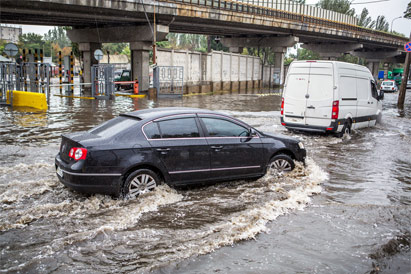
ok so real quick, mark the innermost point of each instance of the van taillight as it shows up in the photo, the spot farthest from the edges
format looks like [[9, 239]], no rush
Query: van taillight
[[78, 153], [282, 106], [335, 109]]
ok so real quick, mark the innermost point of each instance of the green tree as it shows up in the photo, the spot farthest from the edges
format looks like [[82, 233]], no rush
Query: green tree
[[31, 40], [407, 12], [380, 24], [364, 20], [113, 48], [58, 35], [305, 54], [341, 6]]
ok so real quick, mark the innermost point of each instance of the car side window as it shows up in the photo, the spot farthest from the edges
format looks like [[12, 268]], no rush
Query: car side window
[[151, 130], [179, 128], [223, 128], [374, 92]]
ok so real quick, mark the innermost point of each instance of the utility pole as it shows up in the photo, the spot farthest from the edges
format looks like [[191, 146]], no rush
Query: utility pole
[[401, 96]]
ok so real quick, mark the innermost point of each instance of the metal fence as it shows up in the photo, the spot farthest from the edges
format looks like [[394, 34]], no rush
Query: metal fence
[[102, 81], [29, 76], [286, 9], [169, 81]]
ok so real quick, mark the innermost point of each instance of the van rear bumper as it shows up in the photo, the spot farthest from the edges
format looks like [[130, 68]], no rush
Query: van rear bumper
[[333, 127]]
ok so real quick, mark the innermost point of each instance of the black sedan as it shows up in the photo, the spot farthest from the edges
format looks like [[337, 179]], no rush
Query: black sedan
[[133, 153]]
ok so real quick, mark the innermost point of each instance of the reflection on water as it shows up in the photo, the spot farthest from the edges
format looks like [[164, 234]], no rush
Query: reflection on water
[[359, 220]]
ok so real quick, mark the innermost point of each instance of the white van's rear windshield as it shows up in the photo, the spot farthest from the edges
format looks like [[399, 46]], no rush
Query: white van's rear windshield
[[388, 83]]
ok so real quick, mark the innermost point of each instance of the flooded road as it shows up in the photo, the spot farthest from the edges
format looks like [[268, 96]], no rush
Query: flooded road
[[347, 211]]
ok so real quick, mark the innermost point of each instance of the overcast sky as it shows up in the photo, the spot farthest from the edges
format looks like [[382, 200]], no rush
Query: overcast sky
[[389, 8]]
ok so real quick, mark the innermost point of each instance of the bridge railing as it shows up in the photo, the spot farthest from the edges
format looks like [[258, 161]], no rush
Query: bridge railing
[[289, 10], [272, 7]]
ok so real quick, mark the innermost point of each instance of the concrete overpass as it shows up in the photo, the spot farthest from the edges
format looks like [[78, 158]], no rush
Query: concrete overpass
[[240, 24]]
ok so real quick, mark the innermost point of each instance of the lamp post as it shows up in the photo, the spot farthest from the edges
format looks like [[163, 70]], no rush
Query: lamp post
[[392, 21]]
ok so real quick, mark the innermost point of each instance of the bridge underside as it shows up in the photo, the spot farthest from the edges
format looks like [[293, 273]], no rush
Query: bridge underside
[[125, 21]]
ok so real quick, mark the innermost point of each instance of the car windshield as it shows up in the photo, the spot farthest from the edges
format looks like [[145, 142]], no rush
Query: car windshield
[[388, 83], [113, 126]]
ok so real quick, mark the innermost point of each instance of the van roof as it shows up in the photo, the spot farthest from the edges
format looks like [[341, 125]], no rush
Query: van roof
[[338, 64]]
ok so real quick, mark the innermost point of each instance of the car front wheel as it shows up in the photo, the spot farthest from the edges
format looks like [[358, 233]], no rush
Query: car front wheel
[[281, 163], [140, 182]]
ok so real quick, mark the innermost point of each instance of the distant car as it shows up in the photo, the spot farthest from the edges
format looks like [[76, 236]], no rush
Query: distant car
[[133, 153], [125, 76], [409, 84], [389, 86]]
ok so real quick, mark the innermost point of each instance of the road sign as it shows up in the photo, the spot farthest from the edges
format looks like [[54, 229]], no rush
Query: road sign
[[407, 47], [98, 54], [11, 49]]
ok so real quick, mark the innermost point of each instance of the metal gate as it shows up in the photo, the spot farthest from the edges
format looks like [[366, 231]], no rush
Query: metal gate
[[169, 81], [29, 76], [102, 81]]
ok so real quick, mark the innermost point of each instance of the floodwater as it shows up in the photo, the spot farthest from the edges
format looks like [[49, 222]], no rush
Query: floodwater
[[346, 211]]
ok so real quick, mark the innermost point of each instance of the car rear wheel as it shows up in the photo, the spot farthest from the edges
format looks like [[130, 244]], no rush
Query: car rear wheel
[[281, 163], [140, 182], [346, 129]]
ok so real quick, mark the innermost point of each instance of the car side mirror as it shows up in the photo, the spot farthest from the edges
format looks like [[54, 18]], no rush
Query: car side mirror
[[252, 132], [380, 96]]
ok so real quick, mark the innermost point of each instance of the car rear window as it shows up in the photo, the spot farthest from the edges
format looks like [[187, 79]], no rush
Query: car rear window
[[113, 126], [388, 83]]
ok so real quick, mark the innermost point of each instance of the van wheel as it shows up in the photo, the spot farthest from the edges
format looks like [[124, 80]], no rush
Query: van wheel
[[281, 163], [139, 182], [346, 129]]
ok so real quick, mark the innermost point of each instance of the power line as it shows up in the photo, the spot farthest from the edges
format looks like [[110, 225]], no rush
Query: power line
[[371, 2]]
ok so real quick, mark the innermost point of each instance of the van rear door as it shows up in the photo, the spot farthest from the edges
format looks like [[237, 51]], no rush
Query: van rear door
[[295, 92], [320, 94]]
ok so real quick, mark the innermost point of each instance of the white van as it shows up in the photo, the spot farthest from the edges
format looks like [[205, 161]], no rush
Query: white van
[[329, 96]]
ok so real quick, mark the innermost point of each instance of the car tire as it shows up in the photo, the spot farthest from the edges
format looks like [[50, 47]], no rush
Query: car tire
[[281, 163], [140, 182], [346, 129]]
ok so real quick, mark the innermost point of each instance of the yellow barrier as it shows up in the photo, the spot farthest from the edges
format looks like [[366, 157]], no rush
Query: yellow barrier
[[28, 99], [131, 95]]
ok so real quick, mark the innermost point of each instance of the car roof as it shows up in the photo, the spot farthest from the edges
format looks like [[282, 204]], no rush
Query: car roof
[[155, 113]]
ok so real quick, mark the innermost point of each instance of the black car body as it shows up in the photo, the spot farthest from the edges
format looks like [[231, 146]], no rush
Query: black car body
[[180, 145]]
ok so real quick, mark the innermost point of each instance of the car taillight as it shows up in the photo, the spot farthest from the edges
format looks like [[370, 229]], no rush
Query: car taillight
[[282, 106], [78, 153], [392, 89], [335, 110]]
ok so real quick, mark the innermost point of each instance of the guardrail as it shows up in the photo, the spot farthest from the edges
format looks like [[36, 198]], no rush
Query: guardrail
[[288, 10]]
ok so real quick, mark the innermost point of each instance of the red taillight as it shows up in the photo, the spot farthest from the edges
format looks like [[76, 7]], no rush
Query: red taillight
[[335, 110], [282, 106], [392, 88], [78, 153]]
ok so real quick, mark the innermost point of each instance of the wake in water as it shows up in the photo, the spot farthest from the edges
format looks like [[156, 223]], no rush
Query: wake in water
[[157, 228]]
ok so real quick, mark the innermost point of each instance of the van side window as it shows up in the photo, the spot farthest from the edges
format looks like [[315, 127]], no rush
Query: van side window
[[374, 92]]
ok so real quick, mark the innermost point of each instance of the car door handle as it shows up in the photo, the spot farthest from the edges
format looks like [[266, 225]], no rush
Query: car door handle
[[312, 107], [216, 147], [163, 150]]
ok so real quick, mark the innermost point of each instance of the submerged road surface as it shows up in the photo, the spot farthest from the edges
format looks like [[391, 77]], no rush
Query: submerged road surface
[[346, 211]]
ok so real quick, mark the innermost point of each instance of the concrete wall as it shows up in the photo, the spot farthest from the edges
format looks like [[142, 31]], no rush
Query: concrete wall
[[213, 71]]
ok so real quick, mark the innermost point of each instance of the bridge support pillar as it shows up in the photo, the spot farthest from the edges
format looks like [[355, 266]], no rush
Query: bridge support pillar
[[279, 64], [140, 61], [87, 55], [373, 66]]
